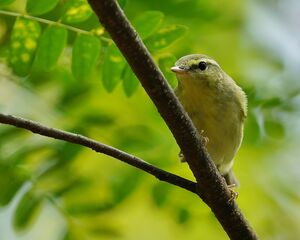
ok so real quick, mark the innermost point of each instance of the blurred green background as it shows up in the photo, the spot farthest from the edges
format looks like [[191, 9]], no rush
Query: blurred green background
[[54, 190]]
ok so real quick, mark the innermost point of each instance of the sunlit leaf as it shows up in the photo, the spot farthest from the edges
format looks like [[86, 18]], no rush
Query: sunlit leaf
[[165, 37], [51, 45], [130, 82], [23, 44], [86, 50], [165, 63], [77, 11], [39, 7], [113, 65], [6, 2], [147, 23], [26, 211]]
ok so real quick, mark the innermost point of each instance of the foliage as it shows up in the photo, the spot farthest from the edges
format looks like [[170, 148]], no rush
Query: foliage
[[86, 47], [52, 59], [51, 45]]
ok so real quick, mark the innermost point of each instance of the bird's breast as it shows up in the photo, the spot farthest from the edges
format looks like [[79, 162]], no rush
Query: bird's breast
[[218, 118]]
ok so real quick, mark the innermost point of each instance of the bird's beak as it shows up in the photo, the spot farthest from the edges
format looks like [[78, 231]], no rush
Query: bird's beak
[[176, 69]]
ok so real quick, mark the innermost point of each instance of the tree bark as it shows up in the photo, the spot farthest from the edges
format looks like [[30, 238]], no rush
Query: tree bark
[[100, 148], [211, 187]]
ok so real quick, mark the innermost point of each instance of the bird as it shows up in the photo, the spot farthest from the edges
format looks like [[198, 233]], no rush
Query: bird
[[217, 107]]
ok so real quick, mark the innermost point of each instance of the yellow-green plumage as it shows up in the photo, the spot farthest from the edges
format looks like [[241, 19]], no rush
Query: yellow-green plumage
[[216, 105]]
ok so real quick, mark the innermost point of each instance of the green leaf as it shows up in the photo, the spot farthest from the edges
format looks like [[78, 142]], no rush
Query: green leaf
[[7, 133], [133, 137], [11, 180], [160, 194], [6, 2], [86, 50], [274, 129], [165, 37], [147, 23], [69, 186], [67, 236], [96, 119], [165, 63], [107, 231], [89, 208], [272, 102], [66, 152], [122, 3], [26, 210], [183, 215], [23, 44], [113, 65], [70, 92], [51, 45], [252, 130], [130, 82], [124, 185], [77, 11], [40, 7]]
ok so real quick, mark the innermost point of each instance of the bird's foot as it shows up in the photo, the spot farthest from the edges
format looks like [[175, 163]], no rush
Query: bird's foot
[[233, 194], [181, 157], [205, 140]]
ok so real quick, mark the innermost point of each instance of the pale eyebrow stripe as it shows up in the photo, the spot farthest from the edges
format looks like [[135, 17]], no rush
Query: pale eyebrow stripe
[[210, 61]]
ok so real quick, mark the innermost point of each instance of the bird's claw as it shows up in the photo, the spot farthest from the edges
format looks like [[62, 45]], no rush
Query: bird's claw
[[233, 194], [205, 140], [181, 157]]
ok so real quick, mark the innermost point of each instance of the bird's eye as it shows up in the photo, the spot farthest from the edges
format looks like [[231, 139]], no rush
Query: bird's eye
[[202, 65]]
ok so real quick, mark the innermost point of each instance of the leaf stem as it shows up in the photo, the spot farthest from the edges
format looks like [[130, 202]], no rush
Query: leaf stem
[[49, 22]]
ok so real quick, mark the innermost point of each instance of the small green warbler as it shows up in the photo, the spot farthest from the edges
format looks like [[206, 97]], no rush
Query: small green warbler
[[216, 105]]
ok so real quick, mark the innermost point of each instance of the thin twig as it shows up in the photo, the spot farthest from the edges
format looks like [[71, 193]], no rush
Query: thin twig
[[210, 184], [55, 23], [99, 147]]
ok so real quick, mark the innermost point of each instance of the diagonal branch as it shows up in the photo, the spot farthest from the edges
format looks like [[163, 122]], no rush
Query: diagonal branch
[[100, 148], [210, 184]]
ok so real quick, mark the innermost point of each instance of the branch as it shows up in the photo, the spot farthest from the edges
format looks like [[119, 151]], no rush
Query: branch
[[210, 184], [100, 148]]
